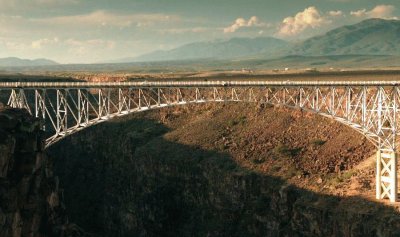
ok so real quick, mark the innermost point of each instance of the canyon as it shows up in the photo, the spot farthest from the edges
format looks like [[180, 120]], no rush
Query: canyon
[[221, 170], [229, 169]]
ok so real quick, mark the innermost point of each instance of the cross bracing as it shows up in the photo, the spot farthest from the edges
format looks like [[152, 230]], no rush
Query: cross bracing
[[369, 107]]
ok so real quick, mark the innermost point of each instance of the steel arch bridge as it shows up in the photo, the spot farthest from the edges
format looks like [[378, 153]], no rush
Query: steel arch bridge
[[370, 107]]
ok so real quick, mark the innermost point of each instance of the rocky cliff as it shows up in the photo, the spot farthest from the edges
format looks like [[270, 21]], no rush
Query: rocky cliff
[[30, 195]]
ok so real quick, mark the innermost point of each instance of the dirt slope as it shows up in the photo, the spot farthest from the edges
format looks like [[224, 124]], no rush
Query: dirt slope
[[221, 170], [309, 150]]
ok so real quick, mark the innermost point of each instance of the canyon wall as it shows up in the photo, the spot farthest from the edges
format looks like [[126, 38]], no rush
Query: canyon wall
[[30, 195], [162, 174]]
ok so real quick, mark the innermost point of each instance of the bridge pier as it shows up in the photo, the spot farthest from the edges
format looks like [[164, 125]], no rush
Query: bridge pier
[[386, 175]]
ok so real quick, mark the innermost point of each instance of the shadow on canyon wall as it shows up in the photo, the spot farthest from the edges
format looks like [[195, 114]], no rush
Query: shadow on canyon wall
[[123, 178]]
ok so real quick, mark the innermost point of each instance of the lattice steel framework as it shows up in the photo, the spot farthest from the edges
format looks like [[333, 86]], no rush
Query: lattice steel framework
[[370, 108]]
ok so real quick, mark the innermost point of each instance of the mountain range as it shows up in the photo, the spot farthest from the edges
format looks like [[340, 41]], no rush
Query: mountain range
[[369, 37], [219, 49], [18, 62]]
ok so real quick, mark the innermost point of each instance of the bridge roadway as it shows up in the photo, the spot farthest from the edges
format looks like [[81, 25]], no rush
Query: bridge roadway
[[55, 85], [369, 107]]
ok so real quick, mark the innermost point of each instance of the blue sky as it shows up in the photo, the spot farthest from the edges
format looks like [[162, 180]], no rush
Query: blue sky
[[86, 31]]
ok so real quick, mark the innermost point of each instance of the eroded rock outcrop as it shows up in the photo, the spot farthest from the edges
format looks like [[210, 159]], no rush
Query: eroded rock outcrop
[[101, 77], [30, 197]]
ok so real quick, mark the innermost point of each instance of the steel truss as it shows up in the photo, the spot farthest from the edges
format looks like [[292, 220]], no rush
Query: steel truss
[[370, 109]]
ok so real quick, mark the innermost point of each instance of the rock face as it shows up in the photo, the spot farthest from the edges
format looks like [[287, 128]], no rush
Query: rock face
[[101, 77], [139, 177], [30, 198]]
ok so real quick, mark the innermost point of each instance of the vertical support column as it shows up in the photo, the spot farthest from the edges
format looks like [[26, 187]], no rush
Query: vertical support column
[[83, 107], [332, 101], [140, 92], [100, 114], [301, 103], [104, 103], [317, 100], [252, 97], [158, 97], [121, 100], [386, 163], [108, 102], [364, 106], [178, 95], [386, 175], [348, 102], [197, 94], [131, 99], [40, 106], [62, 111]]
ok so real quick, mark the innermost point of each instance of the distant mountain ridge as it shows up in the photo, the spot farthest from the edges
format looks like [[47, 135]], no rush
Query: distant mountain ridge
[[219, 49], [369, 37], [18, 62]]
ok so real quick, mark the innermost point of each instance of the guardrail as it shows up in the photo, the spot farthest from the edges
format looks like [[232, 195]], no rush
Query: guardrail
[[38, 85]]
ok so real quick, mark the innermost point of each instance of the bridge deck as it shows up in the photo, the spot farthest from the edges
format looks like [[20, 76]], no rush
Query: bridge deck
[[55, 85]]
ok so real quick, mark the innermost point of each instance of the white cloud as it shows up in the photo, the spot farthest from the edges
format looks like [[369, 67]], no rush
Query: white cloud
[[55, 2], [92, 43], [241, 22], [185, 30], [309, 18], [335, 13], [105, 18], [30, 4], [38, 44], [380, 11], [17, 46], [359, 13], [95, 49]]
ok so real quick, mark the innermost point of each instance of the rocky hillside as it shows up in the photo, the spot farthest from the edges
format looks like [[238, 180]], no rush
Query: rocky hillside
[[18, 62], [369, 37], [218, 49], [221, 170], [30, 195]]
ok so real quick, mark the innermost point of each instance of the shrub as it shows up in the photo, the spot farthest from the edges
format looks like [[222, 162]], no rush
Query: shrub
[[258, 161], [335, 180], [237, 121], [291, 172], [276, 167], [318, 142], [284, 150]]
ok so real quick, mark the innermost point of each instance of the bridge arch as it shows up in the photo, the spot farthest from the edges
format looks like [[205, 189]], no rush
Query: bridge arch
[[72, 130], [371, 108]]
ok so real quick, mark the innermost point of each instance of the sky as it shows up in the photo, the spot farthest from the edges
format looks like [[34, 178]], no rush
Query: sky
[[89, 31]]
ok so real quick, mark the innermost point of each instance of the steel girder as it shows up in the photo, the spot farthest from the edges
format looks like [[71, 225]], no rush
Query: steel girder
[[369, 109]]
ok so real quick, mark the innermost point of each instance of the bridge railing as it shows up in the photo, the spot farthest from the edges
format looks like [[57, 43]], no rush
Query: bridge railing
[[38, 85]]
